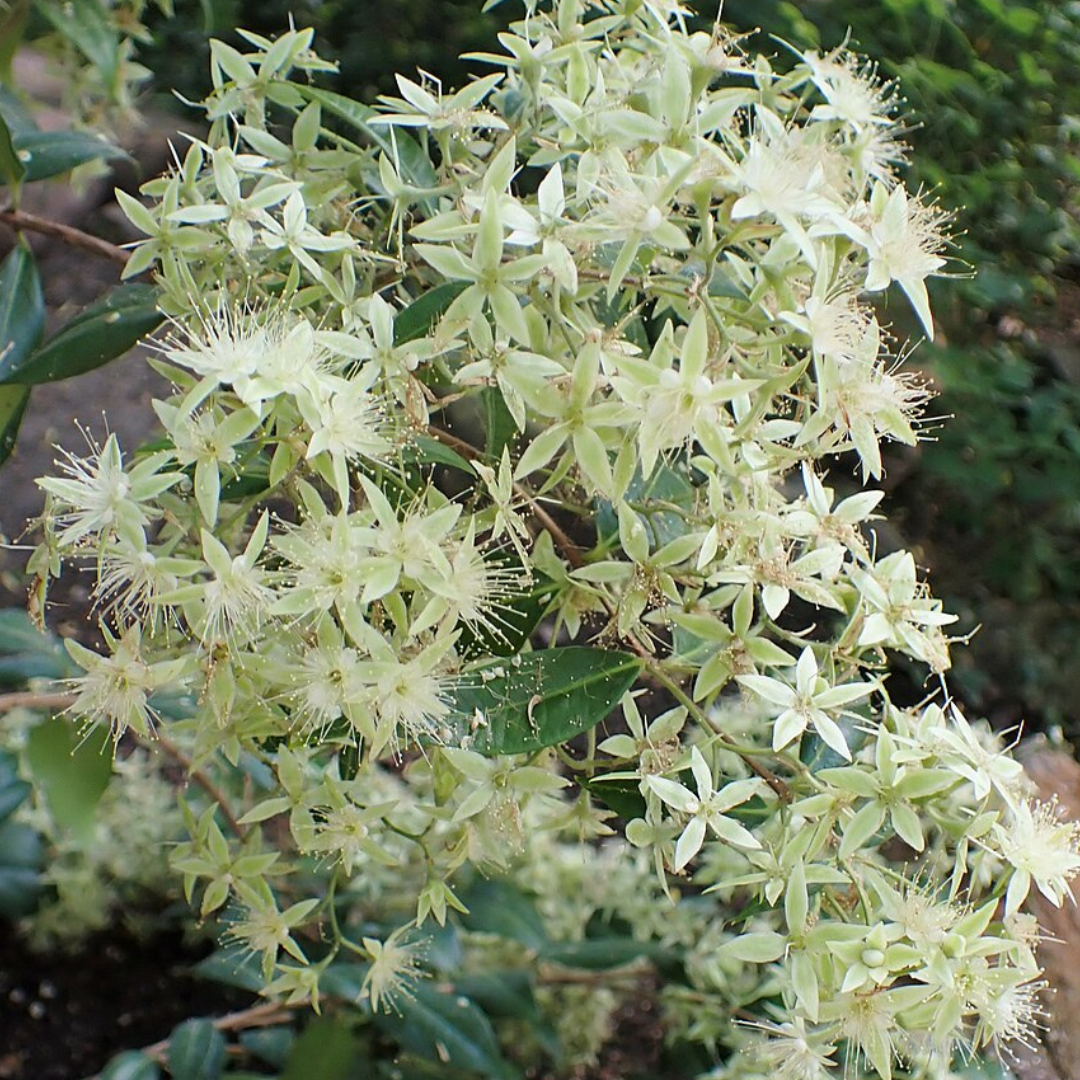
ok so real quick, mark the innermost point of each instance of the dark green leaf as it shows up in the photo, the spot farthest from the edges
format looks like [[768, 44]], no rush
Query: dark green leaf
[[622, 796], [497, 907], [272, 1045], [327, 1050], [18, 634], [499, 427], [540, 699], [13, 401], [196, 1051], [20, 890], [22, 856], [401, 148], [15, 114], [448, 1028], [424, 450], [344, 979], [72, 770], [599, 954], [50, 153], [22, 309], [104, 331], [11, 168], [18, 668], [13, 791], [516, 618], [418, 319], [131, 1065], [232, 965]]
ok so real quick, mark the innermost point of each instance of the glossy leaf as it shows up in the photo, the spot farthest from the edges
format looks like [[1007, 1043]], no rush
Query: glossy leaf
[[448, 1028], [401, 148], [601, 954], [418, 319], [22, 856], [102, 332], [73, 772], [540, 699], [50, 153], [131, 1065], [232, 965], [13, 790], [11, 168], [19, 637], [499, 427], [22, 310], [196, 1051], [497, 907], [13, 401]]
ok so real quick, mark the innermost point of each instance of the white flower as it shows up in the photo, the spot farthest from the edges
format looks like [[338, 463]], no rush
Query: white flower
[[1042, 848], [98, 495], [706, 809], [904, 242], [395, 968], [808, 702]]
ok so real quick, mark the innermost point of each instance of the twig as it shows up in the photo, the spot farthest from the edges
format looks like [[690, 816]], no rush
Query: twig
[[268, 1014], [562, 541], [19, 220], [28, 699], [200, 778]]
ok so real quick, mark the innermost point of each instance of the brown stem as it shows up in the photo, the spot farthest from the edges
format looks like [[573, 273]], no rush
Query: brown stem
[[200, 778], [19, 220], [28, 699], [569, 549], [268, 1014]]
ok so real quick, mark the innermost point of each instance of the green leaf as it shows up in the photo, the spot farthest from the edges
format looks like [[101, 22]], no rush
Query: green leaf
[[418, 319], [232, 965], [622, 795], [327, 1050], [12, 24], [13, 401], [448, 1028], [272, 1045], [516, 618], [24, 647], [15, 114], [11, 168], [196, 1051], [22, 856], [497, 907], [540, 699], [13, 791], [424, 450], [22, 309], [49, 153], [131, 1065], [601, 954], [73, 772], [499, 427], [104, 331], [414, 165]]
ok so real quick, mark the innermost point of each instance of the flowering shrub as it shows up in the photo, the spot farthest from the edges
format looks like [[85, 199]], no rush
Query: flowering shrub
[[501, 411]]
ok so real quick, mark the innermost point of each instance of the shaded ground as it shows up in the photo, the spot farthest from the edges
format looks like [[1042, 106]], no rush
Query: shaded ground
[[63, 1017]]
